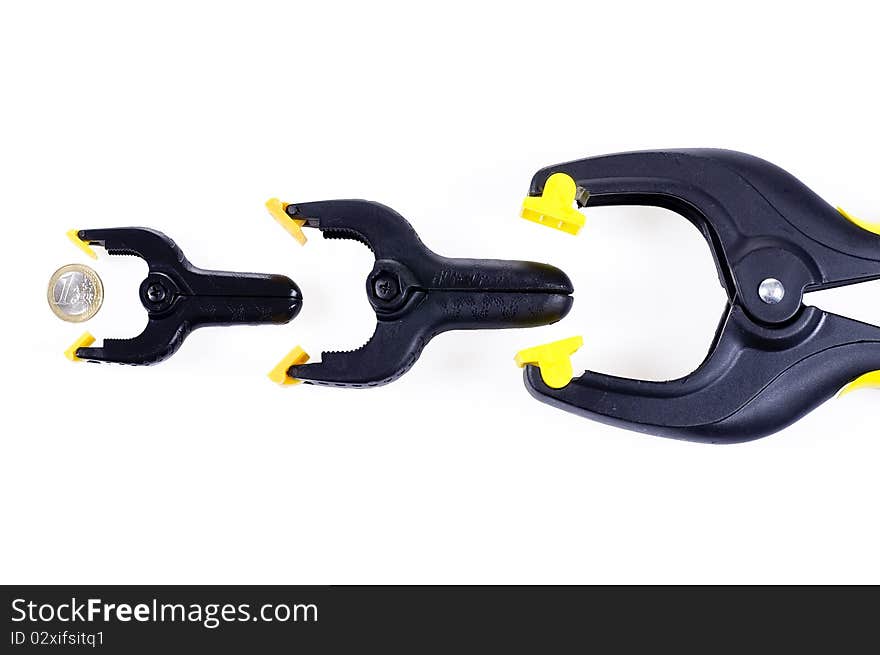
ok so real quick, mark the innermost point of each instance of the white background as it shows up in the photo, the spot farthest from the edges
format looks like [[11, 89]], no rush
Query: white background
[[185, 117]]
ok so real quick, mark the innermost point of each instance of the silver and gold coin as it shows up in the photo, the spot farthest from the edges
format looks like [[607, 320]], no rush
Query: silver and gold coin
[[75, 293]]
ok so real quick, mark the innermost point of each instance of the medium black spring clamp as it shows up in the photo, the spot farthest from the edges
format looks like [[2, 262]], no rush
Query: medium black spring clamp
[[415, 293], [180, 297], [773, 359]]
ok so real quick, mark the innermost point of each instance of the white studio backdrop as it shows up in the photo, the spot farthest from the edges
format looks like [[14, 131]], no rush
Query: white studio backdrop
[[187, 116]]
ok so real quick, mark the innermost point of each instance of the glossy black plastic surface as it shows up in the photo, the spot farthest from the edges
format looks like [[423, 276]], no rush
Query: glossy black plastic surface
[[180, 297], [417, 294], [770, 364]]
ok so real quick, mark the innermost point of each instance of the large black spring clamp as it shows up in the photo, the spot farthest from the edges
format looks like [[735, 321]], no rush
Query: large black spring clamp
[[774, 359]]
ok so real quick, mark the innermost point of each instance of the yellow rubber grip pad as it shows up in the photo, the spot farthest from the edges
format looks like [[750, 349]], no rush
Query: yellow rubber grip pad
[[865, 225], [292, 225], [85, 340], [868, 381], [555, 206], [279, 374], [554, 360], [73, 235]]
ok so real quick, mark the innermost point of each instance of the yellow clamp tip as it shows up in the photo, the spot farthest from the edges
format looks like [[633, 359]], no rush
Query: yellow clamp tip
[[295, 357], [292, 225], [868, 381], [554, 360], [865, 225], [554, 207], [85, 340], [73, 235]]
